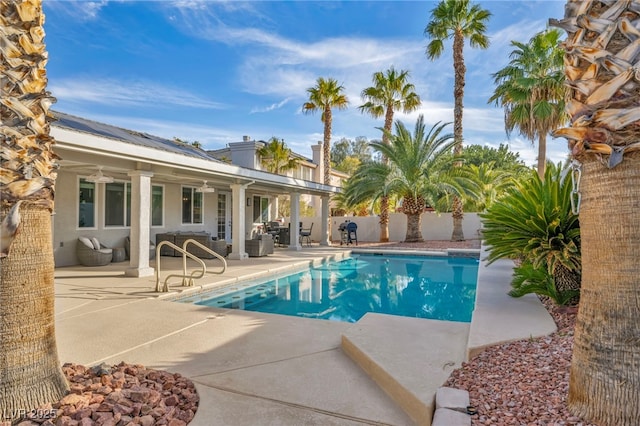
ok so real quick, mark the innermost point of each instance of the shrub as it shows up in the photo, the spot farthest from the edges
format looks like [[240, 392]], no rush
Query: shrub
[[529, 279], [534, 223]]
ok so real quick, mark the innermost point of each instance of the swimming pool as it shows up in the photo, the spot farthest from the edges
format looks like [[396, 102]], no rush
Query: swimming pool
[[415, 286]]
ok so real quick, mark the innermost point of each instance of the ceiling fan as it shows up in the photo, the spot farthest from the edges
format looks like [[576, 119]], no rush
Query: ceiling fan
[[205, 187], [99, 177]]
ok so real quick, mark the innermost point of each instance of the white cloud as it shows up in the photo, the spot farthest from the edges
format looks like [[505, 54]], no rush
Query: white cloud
[[79, 10], [131, 93], [271, 107]]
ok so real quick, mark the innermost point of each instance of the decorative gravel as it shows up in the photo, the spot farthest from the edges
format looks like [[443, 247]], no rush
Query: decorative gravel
[[121, 395], [524, 382]]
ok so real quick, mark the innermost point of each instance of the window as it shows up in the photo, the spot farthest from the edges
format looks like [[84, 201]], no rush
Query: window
[[117, 204], [222, 216], [260, 209], [157, 205], [307, 173], [191, 205], [86, 204]]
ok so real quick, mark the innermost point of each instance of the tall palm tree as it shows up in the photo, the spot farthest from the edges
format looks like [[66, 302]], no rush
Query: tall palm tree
[[324, 96], [276, 157], [30, 373], [409, 172], [600, 57], [390, 92], [459, 20], [531, 90]]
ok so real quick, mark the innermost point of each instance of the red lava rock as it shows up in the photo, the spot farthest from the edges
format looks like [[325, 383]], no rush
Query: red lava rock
[[130, 395], [147, 421], [171, 401], [524, 382], [145, 409]]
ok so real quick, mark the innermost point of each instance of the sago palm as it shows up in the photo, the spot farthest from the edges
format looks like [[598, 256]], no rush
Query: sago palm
[[601, 66], [531, 90], [276, 157], [391, 91], [457, 20], [326, 95], [30, 373], [534, 223], [409, 172]]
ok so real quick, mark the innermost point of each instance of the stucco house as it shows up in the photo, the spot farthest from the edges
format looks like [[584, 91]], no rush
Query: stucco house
[[245, 154], [155, 185]]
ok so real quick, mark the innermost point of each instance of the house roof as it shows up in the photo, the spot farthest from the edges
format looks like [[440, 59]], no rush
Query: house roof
[[72, 122], [177, 161], [227, 150]]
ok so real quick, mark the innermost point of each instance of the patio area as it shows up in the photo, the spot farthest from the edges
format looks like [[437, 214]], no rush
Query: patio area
[[282, 370]]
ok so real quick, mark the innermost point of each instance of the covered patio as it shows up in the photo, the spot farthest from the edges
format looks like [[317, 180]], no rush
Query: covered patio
[[115, 183]]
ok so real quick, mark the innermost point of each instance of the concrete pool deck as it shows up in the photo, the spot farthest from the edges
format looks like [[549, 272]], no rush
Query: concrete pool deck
[[282, 370]]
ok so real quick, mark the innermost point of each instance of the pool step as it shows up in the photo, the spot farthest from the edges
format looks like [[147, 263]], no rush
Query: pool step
[[410, 365]]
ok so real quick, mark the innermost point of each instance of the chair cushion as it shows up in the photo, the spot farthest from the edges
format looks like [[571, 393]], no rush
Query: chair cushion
[[96, 243], [87, 242], [106, 251]]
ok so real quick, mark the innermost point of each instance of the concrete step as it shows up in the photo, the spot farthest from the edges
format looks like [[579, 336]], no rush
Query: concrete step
[[409, 358], [451, 408]]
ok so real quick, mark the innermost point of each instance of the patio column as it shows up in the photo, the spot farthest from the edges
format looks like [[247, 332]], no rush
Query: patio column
[[325, 228], [140, 224], [274, 207], [238, 195], [294, 228]]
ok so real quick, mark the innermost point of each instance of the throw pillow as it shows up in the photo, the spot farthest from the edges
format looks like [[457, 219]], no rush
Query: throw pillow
[[87, 242], [96, 243]]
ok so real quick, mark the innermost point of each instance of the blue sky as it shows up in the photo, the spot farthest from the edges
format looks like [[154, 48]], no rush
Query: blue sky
[[214, 71]]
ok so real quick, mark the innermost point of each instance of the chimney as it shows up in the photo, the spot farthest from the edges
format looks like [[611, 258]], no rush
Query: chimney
[[246, 138], [318, 158]]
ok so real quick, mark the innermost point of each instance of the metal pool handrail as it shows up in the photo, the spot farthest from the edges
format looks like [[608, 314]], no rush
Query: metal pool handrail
[[205, 248], [187, 280]]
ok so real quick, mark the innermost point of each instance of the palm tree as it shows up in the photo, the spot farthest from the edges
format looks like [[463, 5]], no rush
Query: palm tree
[[460, 20], [604, 385], [324, 96], [409, 173], [486, 182], [390, 92], [531, 90], [276, 157], [30, 373]]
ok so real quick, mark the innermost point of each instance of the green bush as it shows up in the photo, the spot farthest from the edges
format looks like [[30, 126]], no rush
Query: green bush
[[534, 223], [529, 279]]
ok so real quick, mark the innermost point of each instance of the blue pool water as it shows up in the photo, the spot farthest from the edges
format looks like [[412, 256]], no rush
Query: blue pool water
[[414, 286]]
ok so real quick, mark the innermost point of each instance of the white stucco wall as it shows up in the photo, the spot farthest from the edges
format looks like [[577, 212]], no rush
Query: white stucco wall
[[66, 231], [434, 227]]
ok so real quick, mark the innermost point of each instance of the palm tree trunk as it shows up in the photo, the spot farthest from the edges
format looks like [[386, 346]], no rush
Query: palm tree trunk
[[384, 201], [566, 279], [384, 219], [30, 373], [542, 153], [326, 146], [326, 149], [604, 385], [458, 95], [414, 228]]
